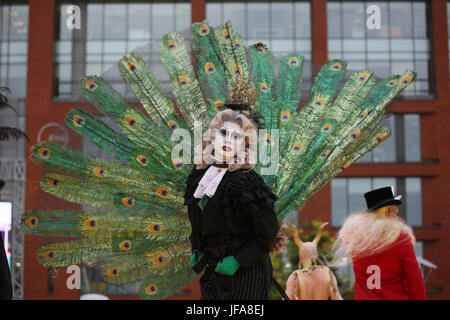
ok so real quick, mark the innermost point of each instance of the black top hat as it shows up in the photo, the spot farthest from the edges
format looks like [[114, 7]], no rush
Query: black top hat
[[381, 197]]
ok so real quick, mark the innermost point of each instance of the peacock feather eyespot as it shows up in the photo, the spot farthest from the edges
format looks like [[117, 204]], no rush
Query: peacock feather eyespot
[[218, 106], [163, 192], [343, 167], [263, 87], [325, 154], [363, 78], [336, 67], [237, 44], [172, 125], [293, 61], [405, 81], [91, 224], [132, 67], [355, 135], [44, 153], [155, 227], [53, 182], [171, 45], [78, 121], [379, 138], [297, 147], [91, 86], [362, 115], [131, 121], [100, 172], [113, 272], [251, 109], [260, 49], [209, 68], [318, 102], [267, 140], [183, 81], [237, 70], [226, 35], [203, 30], [32, 222], [391, 83], [151, 289], [178, 164], [285, 116], [142, 160], [327, 128], [129, 201], [125, 245], [50, 254], [160, 260]]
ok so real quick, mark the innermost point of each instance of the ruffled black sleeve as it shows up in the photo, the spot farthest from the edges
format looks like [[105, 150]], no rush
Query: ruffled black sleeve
[[256, 203], [191, 184], [193, 210]]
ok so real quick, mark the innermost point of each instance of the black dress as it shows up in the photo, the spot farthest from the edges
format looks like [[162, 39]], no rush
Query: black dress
[[239, 220]]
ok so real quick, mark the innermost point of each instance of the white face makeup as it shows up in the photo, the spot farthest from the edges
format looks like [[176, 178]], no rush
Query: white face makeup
[[228, 141]]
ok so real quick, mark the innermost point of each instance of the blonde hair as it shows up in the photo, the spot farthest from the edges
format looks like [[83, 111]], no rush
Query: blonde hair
[[248, 129], [366, 234]]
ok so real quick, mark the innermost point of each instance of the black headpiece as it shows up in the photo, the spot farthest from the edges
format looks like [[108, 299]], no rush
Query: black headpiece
[[242, 97], [381, 197]]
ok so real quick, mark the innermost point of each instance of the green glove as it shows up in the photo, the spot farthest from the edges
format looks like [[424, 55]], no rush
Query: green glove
[[228, 266], [202, 202], [195, 258]]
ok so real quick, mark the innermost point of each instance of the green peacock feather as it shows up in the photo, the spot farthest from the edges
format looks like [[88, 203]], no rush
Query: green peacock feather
[[139, 230], [210, 70]]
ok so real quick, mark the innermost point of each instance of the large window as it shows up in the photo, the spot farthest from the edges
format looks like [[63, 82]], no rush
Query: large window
[[14, 46], [13, 69], [401, 42], [347, 196], [404, 143], [108, 31], [448, 31], [284, 26]]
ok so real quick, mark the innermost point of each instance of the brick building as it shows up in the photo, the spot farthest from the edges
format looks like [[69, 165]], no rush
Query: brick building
[[41, 61]]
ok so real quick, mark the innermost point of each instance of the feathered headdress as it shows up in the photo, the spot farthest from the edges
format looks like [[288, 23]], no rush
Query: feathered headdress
[[242, 97]]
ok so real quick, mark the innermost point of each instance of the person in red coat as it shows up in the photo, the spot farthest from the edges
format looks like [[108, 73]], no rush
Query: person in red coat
[[379, 244]]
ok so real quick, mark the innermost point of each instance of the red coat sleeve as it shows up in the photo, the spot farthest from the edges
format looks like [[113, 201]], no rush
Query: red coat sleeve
[[411, 270]]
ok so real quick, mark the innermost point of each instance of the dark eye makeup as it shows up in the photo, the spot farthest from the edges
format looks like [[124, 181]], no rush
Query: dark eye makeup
[[233, 135]]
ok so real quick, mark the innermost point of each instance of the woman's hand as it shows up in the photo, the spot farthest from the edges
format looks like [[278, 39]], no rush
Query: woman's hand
[[228, 266], [195, 258]]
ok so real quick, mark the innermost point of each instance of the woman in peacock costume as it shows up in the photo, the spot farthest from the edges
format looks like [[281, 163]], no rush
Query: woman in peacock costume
[[141, 229]]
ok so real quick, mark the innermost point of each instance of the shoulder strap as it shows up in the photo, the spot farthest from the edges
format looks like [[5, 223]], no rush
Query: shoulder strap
[[327, 279], [302, 284]]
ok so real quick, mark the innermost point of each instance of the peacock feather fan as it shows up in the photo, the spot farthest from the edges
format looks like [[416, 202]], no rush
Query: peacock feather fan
[[139, 229]]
